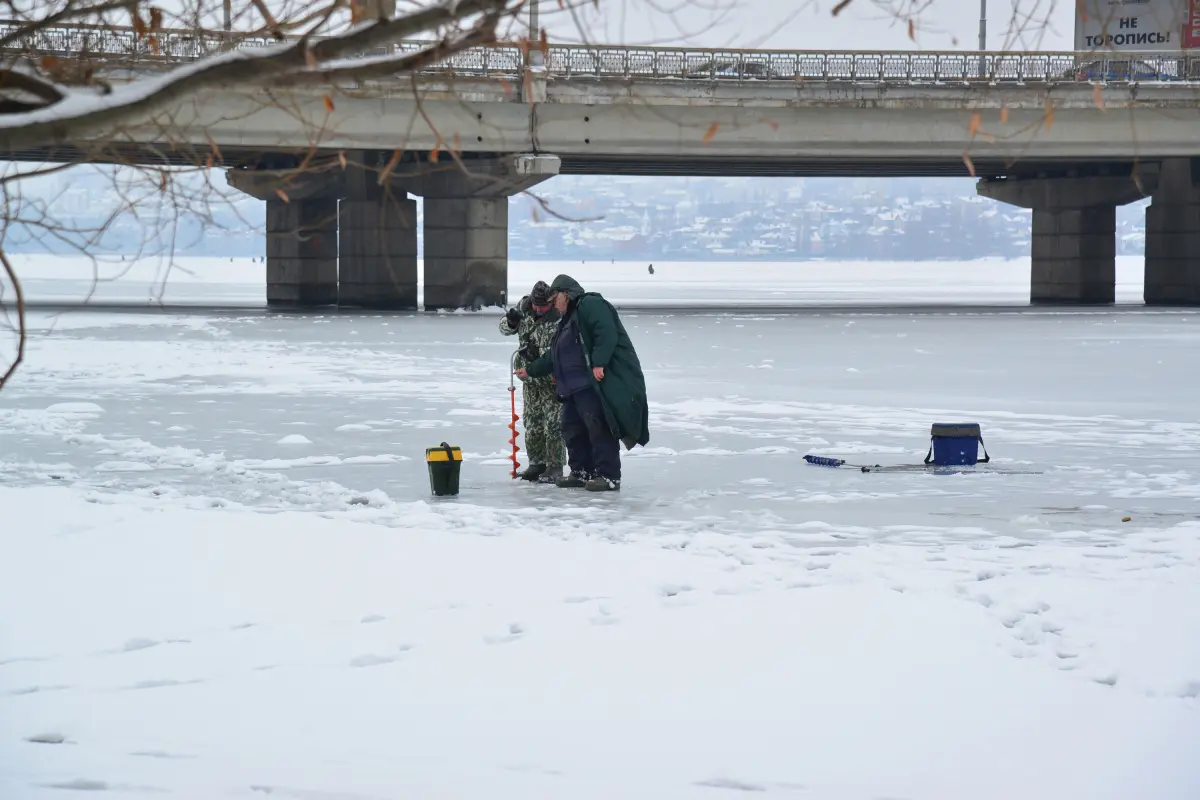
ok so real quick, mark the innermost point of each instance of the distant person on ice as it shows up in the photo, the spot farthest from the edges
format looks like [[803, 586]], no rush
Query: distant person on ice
[[534, 320], [599, 379]]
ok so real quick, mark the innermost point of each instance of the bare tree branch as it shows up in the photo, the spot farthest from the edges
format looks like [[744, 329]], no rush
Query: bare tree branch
[[81, 115], [15, 79], [22, 334], [484, 32], [69, 12]]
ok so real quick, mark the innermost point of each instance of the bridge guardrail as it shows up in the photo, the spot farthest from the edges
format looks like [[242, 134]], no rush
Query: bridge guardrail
[[125, 48]]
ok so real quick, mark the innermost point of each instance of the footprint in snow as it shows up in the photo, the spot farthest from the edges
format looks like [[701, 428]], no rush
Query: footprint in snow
[[36, 689], [79, 785], [801, 585], [731, 784], [604, 617], [369, 618], [515, 631], [163, 683], [373, 660], [4, 662], [1190, 689], [158, 754], [46, 738], [672, 590]]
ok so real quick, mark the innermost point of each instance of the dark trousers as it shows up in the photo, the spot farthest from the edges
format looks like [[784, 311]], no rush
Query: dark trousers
[[592, 447]]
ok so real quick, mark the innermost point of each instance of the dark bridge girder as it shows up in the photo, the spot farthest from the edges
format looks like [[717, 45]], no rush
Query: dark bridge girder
[[606, 164]]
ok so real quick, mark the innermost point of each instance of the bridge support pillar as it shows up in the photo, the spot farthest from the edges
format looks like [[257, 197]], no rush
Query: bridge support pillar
[[466, 225], [1074, 233], [302, 231], [1173, 236], [466, 252], [1074, 255], [302, 264], [377, 246]]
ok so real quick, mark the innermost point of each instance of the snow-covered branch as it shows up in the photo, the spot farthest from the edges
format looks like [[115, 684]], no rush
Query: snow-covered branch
[[62, 115]]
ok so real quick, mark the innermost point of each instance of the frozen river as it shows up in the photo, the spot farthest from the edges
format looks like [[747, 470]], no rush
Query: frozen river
[[742, 621], [1100, 402]]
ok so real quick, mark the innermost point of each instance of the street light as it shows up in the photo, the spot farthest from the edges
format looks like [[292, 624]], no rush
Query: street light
[[535, 35], [982, 38]]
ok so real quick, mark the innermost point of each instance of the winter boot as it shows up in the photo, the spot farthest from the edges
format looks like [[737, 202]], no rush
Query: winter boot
[[576, 480], [532, 472], [599, 483], [551, 475]]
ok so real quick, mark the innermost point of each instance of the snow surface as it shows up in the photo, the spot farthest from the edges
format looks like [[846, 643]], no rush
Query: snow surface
[[192, 607], [295, 438]]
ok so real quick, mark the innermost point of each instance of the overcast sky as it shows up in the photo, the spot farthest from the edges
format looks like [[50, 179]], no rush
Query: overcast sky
[[809, 24]]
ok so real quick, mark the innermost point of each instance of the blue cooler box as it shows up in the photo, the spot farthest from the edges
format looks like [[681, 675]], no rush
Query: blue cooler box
[[955, 444]]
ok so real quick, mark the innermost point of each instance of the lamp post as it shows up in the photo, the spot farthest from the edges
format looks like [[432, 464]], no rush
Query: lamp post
[[228, 14], [982, 38], [535, 35]]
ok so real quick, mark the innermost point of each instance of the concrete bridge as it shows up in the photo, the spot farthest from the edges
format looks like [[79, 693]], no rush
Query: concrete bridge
[[1069, 135]]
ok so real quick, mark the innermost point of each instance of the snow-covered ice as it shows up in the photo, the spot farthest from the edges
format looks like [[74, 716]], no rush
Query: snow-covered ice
[[194, 607], [241, 281], [295, 438]]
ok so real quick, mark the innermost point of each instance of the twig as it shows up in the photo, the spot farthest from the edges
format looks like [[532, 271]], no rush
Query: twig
[[69, 12], [15, 79], [483, 33], [232, 69], [21, 332], [545, 206]]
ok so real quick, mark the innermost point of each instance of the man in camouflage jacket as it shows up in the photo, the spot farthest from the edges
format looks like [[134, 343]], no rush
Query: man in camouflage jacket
[[534, 320]]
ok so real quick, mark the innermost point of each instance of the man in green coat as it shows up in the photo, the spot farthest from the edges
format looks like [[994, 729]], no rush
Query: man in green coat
[[599, 379]]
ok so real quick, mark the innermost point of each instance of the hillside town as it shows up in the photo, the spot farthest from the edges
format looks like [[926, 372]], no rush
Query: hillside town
[[637, 218]]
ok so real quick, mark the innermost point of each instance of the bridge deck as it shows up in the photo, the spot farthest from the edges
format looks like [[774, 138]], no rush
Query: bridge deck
[[121, 46], [671, 111]]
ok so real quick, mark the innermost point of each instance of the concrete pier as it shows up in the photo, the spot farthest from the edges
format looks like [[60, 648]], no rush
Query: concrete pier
[[466, 225], [361, 252], [377, 245], [302, 253], [1074, 232], [1074, 255], [466, 252], [302, 232], [1173, 235]]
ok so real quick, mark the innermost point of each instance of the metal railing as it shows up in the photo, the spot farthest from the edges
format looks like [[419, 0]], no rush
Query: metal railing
[[122, 47]]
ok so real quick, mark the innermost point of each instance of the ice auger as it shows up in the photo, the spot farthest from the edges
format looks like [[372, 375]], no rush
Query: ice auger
[[512, 426]]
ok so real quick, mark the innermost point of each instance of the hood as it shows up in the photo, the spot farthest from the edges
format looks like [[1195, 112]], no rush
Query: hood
[[565, 283]]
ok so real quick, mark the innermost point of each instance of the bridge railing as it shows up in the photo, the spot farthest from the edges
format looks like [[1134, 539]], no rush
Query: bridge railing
[[123, 47]]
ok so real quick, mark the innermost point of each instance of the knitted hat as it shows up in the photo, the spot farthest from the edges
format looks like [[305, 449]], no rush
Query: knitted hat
[[540, 296]]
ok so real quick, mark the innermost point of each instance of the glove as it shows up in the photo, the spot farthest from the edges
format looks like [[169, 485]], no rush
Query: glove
[[530, 351], [513, 317]]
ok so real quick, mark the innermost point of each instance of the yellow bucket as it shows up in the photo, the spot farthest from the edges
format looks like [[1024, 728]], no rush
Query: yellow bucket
[[444, 463]]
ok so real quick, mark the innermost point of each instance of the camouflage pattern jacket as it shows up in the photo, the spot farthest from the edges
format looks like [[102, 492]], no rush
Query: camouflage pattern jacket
[[535, 329]]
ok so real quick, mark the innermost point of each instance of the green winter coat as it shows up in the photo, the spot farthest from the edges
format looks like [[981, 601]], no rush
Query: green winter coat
[[605, 344]]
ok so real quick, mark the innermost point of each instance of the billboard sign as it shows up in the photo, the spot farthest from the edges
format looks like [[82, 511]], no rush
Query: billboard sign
[[1191, 27], [1129, 26]]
